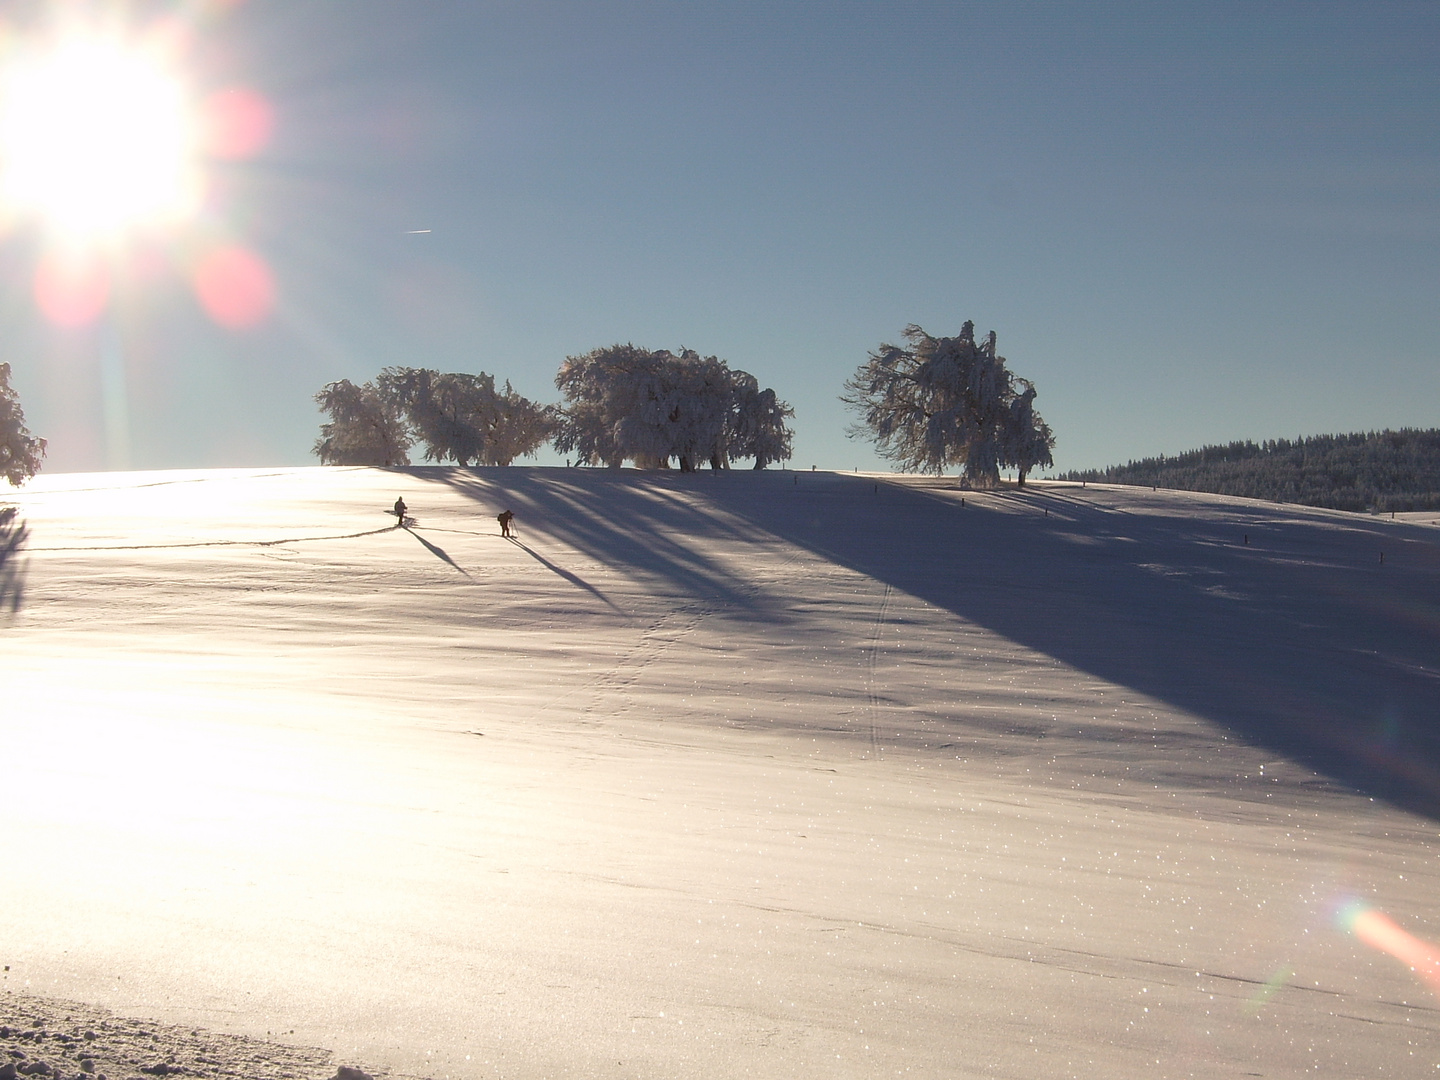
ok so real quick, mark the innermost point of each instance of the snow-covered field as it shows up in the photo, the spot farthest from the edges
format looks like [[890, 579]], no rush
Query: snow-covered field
[[773, 775]]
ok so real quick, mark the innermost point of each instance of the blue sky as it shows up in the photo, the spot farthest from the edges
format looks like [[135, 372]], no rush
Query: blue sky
[[1187, 223]]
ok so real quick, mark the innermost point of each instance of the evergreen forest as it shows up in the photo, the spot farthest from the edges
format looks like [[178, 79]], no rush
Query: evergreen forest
[[1375, 471]]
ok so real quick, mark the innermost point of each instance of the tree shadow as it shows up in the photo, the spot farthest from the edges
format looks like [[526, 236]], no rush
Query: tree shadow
[[13, 533], [625, 520], [1285, 628], [1300, 641]]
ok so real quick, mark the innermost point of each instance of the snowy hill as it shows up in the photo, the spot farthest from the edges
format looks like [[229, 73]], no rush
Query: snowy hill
[[725, 774]]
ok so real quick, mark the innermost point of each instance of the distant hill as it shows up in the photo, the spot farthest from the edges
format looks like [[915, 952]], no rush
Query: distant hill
[[1366, 471]]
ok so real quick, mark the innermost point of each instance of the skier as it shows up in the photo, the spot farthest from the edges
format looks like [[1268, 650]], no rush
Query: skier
[[505, 520], [399, 512]]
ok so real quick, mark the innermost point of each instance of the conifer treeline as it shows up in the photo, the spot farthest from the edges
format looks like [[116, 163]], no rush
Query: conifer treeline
[[1376, 471]]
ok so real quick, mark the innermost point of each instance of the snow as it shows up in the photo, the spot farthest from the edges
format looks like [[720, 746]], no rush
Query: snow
[[766, 774]]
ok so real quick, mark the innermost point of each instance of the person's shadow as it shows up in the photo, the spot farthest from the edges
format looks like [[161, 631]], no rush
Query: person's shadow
[[435, 549], [574, 579]]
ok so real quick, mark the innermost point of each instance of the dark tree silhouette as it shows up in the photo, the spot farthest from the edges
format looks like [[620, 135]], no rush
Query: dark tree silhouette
[[20, 452]]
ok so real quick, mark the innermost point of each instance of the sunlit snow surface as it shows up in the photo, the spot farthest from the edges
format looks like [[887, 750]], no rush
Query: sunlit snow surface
[[726, 775]]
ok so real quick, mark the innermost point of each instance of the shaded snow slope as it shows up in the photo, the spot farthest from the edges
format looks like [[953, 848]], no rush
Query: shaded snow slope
[[739, 774]]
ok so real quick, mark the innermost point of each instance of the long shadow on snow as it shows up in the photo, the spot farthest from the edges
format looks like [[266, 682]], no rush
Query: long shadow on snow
[[574, 579], [1300, 641], [622, 520], [435, 550]]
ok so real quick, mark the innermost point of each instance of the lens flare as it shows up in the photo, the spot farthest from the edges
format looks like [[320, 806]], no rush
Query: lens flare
[[72, 287], [1271, 987], [236, 124], [1381, 932], [235, 287]]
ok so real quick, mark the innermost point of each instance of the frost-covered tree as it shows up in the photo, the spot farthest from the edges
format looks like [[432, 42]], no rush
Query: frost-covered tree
[[760, 430], [604, 398], [365, 427], [948, 401], [624, 403], [520, 428], [698, 404], [1027, 438], [447, 412], [20, 452], [463, 418]]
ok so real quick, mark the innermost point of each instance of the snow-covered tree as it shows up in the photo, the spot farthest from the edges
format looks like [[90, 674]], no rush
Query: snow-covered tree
[[602, 392], [448, 413], [521, 427], [698, 405], [948, 401], [760, 431], [1027, 438], [365, 427], [463, 418], [624, 403], [20, 452]]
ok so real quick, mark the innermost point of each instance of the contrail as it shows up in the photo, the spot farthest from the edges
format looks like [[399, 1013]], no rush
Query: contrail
[[415, 232]]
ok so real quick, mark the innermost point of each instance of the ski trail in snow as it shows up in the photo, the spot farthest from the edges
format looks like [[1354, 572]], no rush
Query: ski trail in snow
[[664, 633], [654, 641], [872, 660], [219, 543]]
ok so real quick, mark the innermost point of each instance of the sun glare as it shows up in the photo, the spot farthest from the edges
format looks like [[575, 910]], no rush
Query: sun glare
[[96, 138], [107, 154]]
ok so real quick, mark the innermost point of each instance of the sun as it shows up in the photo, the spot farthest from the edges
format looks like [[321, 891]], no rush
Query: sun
[[108, 154], [96, 138]]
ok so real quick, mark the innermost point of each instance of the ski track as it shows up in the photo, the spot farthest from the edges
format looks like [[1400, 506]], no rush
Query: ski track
[[654, 642], [218, 543]]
